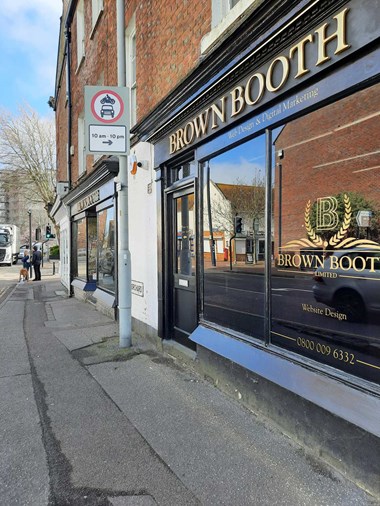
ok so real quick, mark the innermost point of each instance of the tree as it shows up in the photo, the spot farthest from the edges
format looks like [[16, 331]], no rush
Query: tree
[[356, 202], [27, 156], [229, 200]]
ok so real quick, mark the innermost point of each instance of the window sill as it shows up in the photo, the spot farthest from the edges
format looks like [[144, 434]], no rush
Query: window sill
[[80, 64], [93, 30], [227, 24]]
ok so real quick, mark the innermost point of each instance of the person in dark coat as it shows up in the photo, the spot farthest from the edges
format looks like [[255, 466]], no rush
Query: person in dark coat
[[36, 262]]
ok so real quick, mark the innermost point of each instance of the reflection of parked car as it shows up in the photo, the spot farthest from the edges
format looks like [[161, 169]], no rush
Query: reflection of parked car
[[22, 250], [107, 110], [349, 281]]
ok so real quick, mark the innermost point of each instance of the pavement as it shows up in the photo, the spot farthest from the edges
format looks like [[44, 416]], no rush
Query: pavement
[[85, 422]]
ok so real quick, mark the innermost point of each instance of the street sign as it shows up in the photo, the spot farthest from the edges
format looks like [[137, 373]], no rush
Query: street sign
[[106, 120], [110, 139], [363, 218]]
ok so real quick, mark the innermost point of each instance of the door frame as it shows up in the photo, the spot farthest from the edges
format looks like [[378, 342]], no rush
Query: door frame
[[179, 188]]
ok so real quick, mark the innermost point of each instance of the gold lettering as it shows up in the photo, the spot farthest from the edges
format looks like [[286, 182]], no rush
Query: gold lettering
[[372, 261], [188, 138], [327, 217], [320, 261], [308, 260], [173, 143], [200, 123], [285, 73], [180, 142], [334, 262], [296, 260], [237, 100], [300, 49], [361, 259], [261, 80], [339, 34], [221, 113], [345, 263]]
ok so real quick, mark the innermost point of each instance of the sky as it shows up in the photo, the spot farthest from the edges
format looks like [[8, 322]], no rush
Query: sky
[[28, 53]]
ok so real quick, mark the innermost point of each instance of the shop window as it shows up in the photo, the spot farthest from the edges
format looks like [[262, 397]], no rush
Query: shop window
[[326, 224], [106, 249], [81, 248], [234, 187], [183, 171], [85, 235], [92, 239]]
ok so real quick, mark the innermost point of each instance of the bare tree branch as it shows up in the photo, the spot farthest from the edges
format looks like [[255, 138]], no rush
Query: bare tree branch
[[27, 155]]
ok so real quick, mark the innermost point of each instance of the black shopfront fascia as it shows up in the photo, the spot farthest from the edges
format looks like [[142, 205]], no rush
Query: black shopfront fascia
[[356, 69]]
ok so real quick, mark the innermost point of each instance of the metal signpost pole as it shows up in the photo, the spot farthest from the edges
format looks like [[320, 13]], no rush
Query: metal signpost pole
[[124, 256], [30, 243]]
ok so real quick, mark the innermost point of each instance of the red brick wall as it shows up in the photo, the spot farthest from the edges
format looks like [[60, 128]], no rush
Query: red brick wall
[[323, 152], [168, 37], [61, 132]]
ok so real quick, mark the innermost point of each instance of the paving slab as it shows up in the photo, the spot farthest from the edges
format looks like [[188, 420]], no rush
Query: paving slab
[[221, 452]]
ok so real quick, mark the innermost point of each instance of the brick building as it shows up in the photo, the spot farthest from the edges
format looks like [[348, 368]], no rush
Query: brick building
[[279, 98]]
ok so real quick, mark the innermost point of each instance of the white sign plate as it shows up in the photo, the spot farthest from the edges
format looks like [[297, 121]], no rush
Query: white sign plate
[[363, 218], [106, 120], [107, 138]]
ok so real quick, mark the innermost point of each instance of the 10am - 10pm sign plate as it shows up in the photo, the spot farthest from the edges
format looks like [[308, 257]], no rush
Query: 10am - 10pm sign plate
[[106, 120]]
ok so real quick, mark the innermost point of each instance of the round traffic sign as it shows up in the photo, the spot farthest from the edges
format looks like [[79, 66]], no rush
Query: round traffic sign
[[107, 106]]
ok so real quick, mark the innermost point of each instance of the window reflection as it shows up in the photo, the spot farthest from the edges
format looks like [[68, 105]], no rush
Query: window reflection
[[92, 248], [106, 249], [82, 248], [234, 184], [326, 217], [185, 235], [182, 171]]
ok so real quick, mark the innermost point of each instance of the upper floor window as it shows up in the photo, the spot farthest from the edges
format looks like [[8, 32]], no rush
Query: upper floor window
[[130, 44], [224, 14], [80, 32], [220, 9], [97, 8]]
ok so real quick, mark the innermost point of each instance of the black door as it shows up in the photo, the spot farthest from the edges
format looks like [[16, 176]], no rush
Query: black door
[[184, 314]]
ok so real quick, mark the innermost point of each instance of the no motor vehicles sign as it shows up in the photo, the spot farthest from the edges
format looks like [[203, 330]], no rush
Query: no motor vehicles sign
[[106, 120]]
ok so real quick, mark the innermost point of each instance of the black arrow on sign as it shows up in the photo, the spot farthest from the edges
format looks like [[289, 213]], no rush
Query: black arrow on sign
[[109, 142]]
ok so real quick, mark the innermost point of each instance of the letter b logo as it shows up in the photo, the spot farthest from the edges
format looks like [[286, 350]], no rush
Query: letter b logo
[[327, 217]]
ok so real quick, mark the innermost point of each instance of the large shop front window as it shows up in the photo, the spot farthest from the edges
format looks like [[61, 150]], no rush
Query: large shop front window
[[234, 192], [326, 216]]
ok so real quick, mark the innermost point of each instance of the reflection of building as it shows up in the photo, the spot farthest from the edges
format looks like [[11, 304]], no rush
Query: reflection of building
[[4, 212], [296, 78], [227, 201], [338, 153]]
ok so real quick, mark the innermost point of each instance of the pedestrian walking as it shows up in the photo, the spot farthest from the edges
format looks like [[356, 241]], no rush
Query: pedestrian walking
[[36, 262]]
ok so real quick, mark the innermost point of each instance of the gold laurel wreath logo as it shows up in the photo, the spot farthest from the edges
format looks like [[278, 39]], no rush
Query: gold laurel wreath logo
[[317, 240], [338, 240], [339, 236]]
